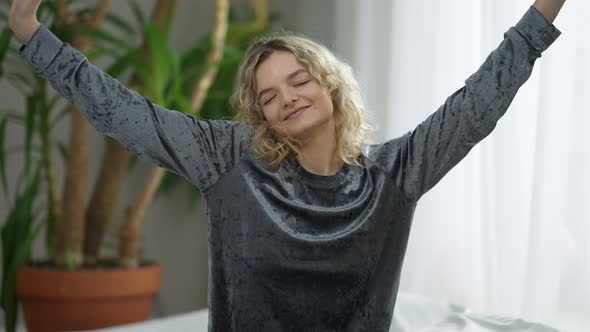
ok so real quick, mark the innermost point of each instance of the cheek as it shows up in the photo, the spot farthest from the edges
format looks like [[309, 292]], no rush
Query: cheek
[[271, 114]]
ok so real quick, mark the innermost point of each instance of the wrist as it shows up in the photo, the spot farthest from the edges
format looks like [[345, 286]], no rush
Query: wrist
[[25, 31]]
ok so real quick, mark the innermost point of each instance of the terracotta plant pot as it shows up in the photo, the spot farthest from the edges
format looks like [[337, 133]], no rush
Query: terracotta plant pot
[[61, 300]]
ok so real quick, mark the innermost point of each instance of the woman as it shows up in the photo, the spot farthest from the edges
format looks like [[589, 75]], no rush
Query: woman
[[308, 223]]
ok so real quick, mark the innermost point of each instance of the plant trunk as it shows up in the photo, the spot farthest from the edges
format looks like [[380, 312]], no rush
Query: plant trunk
[[129, 243], [105, 198], [70, 229], [261, 12]]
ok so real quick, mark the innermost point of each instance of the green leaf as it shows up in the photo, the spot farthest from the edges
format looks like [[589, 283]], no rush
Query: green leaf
[[47, 8], [69, 259], [169, 17], [44, 17], [138, 14], [123, 63], [158, 63], [30, 129], [17, 237], [21, 78], [168, 182], [22, 90], [176, 82], [174, 64], [102, 51], [63, 151], [190, 74], [9, 298], [195, 194], [177, 100], [15, 115], [120, 23], [195, 55], [22, 228], [16, 62], [2, 156], [53, 100], [4, 44], [98, 34], [44, 129]]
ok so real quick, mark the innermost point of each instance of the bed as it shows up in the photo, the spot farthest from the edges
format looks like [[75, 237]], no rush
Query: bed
[[413, 313]]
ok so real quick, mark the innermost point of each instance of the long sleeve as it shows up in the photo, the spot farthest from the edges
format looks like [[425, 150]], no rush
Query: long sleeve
[[199, 150], [419, 159]]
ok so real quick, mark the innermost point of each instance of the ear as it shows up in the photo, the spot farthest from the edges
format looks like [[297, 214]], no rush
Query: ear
[[334, 96], [334, 93]]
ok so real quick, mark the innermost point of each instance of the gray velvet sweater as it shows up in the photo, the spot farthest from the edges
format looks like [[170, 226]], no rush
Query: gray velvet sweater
[[294, 250]]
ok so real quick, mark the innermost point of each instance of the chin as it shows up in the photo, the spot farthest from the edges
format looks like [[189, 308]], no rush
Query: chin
[[302, 131]]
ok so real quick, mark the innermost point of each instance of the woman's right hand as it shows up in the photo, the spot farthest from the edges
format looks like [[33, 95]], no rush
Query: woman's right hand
[[22, 19]]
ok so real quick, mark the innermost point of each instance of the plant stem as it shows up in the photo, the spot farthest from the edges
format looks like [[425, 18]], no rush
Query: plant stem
[[129, 236], [105, 197], [53, 202], [215, 55]]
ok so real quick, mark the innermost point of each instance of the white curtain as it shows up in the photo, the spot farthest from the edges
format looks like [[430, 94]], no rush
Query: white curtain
[[507, 231]]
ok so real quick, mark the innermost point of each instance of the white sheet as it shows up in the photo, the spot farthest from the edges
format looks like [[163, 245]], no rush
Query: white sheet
[[413, 313]]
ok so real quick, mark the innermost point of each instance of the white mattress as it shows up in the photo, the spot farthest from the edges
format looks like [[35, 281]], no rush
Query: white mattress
[[413, 313]]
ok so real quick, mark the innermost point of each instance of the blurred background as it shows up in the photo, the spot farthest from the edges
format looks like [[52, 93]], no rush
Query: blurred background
[[506, 232]]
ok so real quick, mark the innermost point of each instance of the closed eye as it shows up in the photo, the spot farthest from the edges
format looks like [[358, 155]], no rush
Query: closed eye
[[273, 97], [268, 101]]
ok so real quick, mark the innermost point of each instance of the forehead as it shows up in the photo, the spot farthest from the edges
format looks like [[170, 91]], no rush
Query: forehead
[[277, 66]]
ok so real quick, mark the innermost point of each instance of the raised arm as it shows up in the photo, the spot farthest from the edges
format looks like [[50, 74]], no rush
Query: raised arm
[[22, 19], [549, 8], [199, 150], [418, 160]]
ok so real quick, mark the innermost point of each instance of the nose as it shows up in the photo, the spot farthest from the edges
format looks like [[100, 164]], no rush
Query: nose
[[288, 97]]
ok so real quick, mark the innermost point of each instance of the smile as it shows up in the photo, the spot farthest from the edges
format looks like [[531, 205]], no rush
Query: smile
[[296, 114]]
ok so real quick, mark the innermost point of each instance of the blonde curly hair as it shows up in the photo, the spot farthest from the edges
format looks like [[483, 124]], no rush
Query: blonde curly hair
[[351, 129]]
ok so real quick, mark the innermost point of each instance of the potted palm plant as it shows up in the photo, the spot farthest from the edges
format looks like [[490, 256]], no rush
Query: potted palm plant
[[200, 78]]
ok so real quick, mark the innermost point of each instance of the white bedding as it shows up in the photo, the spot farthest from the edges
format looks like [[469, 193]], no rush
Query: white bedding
[[413, 313]]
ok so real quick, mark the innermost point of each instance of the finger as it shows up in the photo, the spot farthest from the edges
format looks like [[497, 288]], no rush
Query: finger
[[33, 5]]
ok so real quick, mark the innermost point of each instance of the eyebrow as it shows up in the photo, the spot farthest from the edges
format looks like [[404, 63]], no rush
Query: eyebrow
[[293, 74]]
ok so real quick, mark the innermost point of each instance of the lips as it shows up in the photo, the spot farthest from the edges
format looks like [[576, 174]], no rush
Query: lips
[[297, 110]]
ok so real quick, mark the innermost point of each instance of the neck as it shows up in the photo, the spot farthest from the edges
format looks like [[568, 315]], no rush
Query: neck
[[319, 153]]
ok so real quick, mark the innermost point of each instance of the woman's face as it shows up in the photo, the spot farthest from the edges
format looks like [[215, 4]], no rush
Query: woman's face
[[284, 86]]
